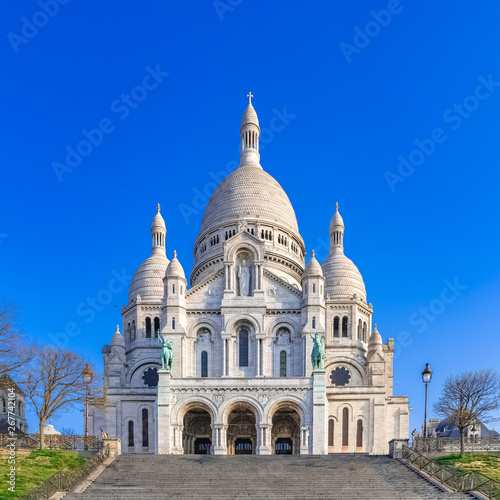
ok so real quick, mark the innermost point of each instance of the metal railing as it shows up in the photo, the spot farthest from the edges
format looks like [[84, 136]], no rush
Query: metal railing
[[65, 480], [457, 481], [54, 442]]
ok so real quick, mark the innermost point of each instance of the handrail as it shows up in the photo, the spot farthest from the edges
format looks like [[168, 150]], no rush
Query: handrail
[[468, 481], [65, 480]]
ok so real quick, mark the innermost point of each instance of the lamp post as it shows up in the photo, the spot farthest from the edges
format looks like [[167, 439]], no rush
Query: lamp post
[[426, 378], [87, 377]]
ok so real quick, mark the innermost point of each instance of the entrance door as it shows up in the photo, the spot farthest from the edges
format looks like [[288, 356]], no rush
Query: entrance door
[[283, 446], [202, 446], [243, 446]]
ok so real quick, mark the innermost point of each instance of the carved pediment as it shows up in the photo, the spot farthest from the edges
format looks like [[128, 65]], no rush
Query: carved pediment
[[210, 288], [275, 286]]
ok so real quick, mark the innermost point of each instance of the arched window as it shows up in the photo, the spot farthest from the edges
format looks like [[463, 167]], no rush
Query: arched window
[[173, 323], [133, 329], [173, 289], [283, 364], [359, 434], [243, 348], [360, 332], [336, 322], [344, 326], [131, 433], [330, 432], [4, 405], [145, 428], [157, 326], [148, 328], [129, 332], [345, 427], [19, 404], [365, 331], [314, 322], [204, 364], [314, 287]]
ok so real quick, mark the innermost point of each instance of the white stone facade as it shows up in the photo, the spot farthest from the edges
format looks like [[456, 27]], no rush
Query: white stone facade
[[242, 379]]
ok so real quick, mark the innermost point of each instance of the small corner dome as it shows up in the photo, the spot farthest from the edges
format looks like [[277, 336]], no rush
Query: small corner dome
[[250, 116], [117, 339], [148, 279], [313, 267], [375, 338], [174, 269]]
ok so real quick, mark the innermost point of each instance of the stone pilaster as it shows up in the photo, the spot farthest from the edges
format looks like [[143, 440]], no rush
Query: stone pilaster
[[319, 433], [162, 411], [265, 440]]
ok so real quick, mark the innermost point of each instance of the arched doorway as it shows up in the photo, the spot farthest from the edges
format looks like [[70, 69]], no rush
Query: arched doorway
[[241, 430], [197, 434], [285, 433]]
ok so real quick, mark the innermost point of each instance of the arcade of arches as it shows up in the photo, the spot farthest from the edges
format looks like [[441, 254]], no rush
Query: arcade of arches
[[242, 430]]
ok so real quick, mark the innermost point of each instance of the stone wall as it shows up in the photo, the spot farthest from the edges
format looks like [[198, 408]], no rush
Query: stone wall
[[473, 444]]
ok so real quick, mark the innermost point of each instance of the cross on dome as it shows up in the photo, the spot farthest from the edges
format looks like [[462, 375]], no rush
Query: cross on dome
[[158, 208], [249, 95]]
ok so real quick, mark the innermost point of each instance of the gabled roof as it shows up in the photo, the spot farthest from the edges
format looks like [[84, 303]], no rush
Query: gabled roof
[[7, 382]]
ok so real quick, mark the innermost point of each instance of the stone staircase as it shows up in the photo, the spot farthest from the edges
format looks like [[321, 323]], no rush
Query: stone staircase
[[154, 477]]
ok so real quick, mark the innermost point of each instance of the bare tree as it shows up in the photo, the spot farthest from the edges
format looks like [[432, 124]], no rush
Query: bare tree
[[469, 398], [54, 382], [15, 347], [68, 431]]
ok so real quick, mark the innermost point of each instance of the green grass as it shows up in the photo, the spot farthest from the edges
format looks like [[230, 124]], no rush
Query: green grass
[[489, 465], [33, 467]]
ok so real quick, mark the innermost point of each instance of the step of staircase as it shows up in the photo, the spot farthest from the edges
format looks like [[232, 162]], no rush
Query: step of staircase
[[155, 477]]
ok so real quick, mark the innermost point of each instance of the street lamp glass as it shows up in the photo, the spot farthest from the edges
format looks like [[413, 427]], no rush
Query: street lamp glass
[[87, 374], [427, 374]]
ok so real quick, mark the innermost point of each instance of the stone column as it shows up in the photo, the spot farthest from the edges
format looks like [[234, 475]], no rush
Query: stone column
[[261, 357], [224, 351], [319, 431], [162, 414], [265, 439], [218, 439]]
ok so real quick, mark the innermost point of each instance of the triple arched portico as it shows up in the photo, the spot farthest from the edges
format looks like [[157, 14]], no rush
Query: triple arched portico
[[236, 421]]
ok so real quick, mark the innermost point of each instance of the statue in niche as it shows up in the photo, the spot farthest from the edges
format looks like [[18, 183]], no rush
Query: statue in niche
[[244, 277]]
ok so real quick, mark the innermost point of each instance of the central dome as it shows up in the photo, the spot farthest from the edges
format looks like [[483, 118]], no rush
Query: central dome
[[249, 193]]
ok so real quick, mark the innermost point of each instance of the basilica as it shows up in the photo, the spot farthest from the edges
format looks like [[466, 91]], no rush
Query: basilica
[[242, 333]]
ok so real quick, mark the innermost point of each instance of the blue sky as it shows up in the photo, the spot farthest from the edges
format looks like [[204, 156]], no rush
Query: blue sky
[[388, 107]]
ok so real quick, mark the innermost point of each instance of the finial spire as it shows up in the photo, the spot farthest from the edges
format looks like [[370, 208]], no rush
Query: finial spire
[[158, 208], [312, 254], [249, 95], [337, 206], [117, 329], [175, 254]]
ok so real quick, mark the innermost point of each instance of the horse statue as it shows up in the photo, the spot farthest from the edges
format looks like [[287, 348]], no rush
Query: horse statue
[[167, 352], [318, 352]]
